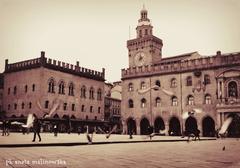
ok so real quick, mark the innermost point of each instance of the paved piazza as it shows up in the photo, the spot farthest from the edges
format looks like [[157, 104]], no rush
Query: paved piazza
[[192, 154]]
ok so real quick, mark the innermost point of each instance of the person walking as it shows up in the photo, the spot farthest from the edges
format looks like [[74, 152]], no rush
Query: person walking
[[4, 125], [55, 130], [36, 128]]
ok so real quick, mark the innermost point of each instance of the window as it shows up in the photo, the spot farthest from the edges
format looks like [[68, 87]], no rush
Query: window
[[91, 93], [15, 106], [157, 102], [9, 90], [190, 100], [189, 81], [33, 87], [143, 85], [46, 104], [51, 86], [130, 87], [61, 88], [174, 101], [73, 107], [208, 99], [158, 83], [9, 106], [140, 33], [83, 108], [99, 94], [23, 105], [99, 109], [143, 102], [95, 118], [30, 105], [146, 32], [15, 90], [173, 82], [207, 79], [91, 109], [71, 89], [232, 89], [86, 117], [65, 106], [130, 103], [26, 88], [83, 92]]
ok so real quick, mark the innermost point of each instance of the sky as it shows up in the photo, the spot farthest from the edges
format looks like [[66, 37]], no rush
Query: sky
[[95, 32]]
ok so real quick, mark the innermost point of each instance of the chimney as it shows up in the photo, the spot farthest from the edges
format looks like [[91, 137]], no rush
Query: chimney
[[6, 63], [42, 53], [77, 63]]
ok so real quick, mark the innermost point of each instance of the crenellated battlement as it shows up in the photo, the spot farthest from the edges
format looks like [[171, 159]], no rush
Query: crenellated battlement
[[55, 65], [168, 67]]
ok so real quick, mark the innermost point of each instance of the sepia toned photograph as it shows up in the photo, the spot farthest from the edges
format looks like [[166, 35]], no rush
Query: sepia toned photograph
[[119, 84]]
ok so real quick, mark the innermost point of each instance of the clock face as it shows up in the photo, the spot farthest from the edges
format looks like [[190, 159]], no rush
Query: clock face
[[140, 59]]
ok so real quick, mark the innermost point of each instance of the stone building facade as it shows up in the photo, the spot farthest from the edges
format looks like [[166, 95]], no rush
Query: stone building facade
[[34, 86], [158, 91]]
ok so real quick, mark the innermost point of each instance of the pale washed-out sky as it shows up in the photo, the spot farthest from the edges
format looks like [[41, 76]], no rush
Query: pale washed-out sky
[[95, 32]]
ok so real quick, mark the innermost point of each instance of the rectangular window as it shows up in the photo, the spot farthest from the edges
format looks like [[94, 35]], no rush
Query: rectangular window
[[9, 90], [83, 108], [99, 109], [33, 87], [91, 109], [65, 106], [73, 107], [46, 104], [30, 105]]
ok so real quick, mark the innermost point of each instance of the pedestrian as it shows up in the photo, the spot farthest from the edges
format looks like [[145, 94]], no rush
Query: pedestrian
[[55, 130], [79, 130], [8, 125], [36, 128], [4, 128], [150, 132]]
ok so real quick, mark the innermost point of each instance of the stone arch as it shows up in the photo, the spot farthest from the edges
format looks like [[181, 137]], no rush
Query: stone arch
[[55, 116], [234, 127], [159, 125], [174, 126], [144, 125], [191, 125], [208, 127], [131, 126]]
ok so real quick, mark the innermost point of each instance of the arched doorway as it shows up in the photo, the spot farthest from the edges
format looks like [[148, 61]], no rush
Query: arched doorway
[[234, 127], [174, 127], [208, 127], [159, 125], [191, 124], [131, 126], [144, 125]]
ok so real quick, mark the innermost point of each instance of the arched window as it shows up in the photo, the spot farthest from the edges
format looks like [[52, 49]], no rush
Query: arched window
[[143, 102], [208, 99], [99, 109], [30, 105], [91, 93], [46, 104], [189, 81], [61, 88], [51, 86], [174, 101], [71, 89], [91, 109], [99, 94], [190, 100], [173, 82], [83, 91], [143, 85], [158, 83], [157, 102], [130, 103], [207, 79], [232, 89], [130, 87]]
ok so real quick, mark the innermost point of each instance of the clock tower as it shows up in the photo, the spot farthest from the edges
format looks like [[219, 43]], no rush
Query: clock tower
[[145, 49]]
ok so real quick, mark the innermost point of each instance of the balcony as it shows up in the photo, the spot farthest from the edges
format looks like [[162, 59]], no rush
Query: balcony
[[228, 105]]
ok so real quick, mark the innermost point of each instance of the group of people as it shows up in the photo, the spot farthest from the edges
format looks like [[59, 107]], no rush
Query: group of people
[[6, 124]]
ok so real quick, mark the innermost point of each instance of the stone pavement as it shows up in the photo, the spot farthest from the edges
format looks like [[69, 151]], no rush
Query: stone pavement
[[172, 154], [20, 140]]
